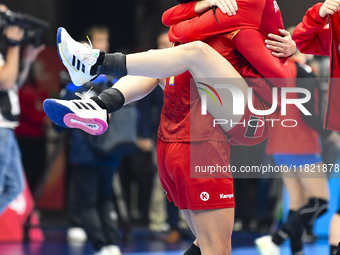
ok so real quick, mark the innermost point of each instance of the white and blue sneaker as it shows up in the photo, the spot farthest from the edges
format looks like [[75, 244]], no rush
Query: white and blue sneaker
[[84, 114], [78, 58], [265, 246]]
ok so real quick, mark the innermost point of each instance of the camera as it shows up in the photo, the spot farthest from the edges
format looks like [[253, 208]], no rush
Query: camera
[[33, 26]]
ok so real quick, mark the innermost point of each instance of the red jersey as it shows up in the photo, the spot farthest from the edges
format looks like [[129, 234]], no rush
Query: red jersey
[[186, 25], [236, 51], [32, 115], [179, 106], [314, 36], [301, 139]]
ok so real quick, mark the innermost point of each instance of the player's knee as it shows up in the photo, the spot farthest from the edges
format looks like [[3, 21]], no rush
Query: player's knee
[[223, 246], [197, 51], [315, 208], [223, 249]]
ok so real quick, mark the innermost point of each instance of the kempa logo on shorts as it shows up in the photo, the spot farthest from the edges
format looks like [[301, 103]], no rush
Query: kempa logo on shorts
[[205, 196], [230, 196]]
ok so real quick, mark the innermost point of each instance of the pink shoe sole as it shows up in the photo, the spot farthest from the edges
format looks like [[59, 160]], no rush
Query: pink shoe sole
[[92, 126]]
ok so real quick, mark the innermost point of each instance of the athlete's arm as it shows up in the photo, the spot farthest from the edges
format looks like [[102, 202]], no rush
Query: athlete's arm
[[9, 71], [312, 35], [135, 87], [204, 26], [30, 55], [190, 10], [179, 13], [261, 58]]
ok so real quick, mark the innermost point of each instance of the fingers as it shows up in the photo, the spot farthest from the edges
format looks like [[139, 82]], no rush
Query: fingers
[[276, 49], [271, 44], [227, 6], [284, 32], [281, 46], [329, 8], [278, 55], [334, 5], [277, 37]]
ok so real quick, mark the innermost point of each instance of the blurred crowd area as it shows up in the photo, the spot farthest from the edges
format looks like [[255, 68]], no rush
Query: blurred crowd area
[[80, 182]]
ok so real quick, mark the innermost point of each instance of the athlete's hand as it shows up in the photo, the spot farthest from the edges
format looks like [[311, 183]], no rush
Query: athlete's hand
[[226, 6], [329, 7], [281, 46], [14, 33], [31, 53], [145, 144]]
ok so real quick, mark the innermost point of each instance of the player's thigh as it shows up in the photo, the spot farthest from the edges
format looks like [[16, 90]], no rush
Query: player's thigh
[[316, 187], [296, 193], [314, 181], [187, 216]]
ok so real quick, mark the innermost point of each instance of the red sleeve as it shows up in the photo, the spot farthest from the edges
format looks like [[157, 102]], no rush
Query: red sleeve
[[179, 13], [261, 58], [312, 35], [201, 27]]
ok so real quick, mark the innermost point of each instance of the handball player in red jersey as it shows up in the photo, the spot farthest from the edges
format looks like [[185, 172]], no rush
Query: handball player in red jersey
[[314, 35], [207, 203]]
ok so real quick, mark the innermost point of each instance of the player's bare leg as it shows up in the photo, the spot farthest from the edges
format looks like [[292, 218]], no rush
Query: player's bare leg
[[213, 229], [295, 192], [197, 57]]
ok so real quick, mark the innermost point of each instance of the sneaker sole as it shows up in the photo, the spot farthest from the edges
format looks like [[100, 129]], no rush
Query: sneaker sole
[[65, 117], [70, 68], [257, 246]]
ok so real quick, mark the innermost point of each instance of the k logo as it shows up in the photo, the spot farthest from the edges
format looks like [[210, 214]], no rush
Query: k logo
[[204, 196]]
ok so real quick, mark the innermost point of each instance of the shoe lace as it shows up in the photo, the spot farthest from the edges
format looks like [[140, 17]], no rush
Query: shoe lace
[[90, 43], [83, 97], [87, 55]]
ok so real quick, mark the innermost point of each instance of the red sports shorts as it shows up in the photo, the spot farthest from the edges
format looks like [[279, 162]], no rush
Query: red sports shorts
[[174, 162]]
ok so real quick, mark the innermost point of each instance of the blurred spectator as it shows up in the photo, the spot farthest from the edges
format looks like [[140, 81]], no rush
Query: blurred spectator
[[300, 146], [159, 209], [93, 163], [33, 121], [11, 170], [140, 168]]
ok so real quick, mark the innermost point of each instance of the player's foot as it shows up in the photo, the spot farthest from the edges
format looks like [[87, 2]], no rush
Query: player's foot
[[77, 57], [102, 251], [338, 252], [114, 250], [265, 246], [308, 235], [76, 235], [84, 114]]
